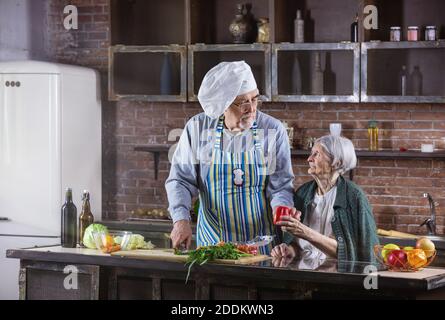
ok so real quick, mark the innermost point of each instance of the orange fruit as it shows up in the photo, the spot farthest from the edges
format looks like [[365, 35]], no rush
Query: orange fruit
[[416, 258]]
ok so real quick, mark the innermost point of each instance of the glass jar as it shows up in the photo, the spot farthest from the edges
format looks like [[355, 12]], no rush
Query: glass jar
[[290, 133], [413, 33], [395, 34], [263, 30], [373, 136], [430, 33]]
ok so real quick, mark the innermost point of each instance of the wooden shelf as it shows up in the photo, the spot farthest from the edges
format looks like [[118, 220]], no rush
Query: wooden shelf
[[156, 150], [386, 154]]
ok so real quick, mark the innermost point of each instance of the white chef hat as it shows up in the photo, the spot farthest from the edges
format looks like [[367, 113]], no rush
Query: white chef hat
[[222, 84]]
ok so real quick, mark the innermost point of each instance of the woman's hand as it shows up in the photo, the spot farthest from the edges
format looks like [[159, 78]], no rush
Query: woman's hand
[[281, 262], [295, 227], [283, 251]]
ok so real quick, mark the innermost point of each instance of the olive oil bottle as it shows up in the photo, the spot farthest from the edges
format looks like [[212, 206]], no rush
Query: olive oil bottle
[[69, 221], [373, 136], [86, 217]]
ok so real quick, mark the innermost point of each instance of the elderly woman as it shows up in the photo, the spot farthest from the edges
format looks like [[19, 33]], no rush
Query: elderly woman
[[334, 217]]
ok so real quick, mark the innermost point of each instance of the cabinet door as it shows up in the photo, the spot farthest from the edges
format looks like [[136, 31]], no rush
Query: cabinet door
[[29, 148]]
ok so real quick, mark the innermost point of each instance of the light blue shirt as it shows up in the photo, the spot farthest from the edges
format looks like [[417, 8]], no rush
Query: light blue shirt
[[192, 159]]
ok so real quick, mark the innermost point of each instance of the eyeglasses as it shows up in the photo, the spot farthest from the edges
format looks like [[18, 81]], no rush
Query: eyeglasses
[[246, 105]]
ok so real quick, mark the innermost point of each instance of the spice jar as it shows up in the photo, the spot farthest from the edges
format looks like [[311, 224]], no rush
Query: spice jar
[[373, 136], [395, 34], [413, 33], [430, 33]]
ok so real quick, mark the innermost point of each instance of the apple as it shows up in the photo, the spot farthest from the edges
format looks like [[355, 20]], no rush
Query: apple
[[408, 249], [397, 258], [387, 249], [426, 245]]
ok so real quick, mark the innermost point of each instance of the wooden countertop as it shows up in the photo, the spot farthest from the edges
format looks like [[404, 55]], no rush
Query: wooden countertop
[[330, 272]]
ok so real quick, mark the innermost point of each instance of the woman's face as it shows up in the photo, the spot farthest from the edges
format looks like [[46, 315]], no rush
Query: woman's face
[[319, 161]]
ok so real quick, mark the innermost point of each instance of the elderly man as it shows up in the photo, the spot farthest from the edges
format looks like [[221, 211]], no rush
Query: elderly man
[[235, 157], [336, 218]]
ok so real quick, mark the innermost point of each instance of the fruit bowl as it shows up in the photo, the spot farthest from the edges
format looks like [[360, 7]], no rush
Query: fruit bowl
[[404, 259]]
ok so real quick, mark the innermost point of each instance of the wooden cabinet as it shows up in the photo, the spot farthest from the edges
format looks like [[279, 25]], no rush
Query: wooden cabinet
[[162, 49]]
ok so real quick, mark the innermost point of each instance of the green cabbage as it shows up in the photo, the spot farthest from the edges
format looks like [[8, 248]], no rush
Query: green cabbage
[[136, 242], [88, 239]]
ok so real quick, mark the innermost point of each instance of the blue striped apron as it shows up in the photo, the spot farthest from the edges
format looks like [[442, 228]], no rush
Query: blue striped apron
[[233, 203]]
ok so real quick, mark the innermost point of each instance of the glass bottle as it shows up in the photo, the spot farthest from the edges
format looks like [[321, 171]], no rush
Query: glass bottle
[[373, 136], [296, 76], [69, 221], [166, 75], [354, 29], [298, 28], [86, 217], [403, 81], [416, 81], [317, 77]]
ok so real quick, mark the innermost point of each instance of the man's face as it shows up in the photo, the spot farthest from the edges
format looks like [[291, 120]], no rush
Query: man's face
[[243, 109]]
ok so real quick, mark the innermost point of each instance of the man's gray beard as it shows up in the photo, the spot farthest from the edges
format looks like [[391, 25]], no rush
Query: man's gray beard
[[246, 124]]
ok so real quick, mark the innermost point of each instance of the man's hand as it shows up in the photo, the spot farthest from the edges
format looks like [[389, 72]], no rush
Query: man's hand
[[181, 233]]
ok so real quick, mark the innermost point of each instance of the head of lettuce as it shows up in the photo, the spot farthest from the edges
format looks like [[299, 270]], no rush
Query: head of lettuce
[[88, 239]]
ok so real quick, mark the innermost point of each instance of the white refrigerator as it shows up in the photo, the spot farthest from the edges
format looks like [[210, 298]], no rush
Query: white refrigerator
[[50, 139]]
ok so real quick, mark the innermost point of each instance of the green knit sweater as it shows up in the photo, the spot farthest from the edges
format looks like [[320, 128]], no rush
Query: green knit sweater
[[353, 224]]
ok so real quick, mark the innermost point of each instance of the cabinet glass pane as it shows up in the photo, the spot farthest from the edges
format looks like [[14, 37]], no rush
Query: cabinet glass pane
[[146, 73], [298, 74], [147, 22], [205, 60], [423, 72]]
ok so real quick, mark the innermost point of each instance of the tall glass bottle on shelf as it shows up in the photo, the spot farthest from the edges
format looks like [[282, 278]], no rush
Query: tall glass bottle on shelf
[[298, 28], [403, 81], [354, 29], [317, 76], [166, 75], [296, 76], [86, 217], [69, 221], [373, 136], [416, 82]]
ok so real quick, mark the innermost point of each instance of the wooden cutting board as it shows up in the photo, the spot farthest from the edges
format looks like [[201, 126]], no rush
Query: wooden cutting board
[[168, 255]]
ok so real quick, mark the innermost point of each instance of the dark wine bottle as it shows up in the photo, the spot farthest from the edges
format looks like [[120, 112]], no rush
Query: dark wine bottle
[[69, 221], [354, 29], [86, 217]]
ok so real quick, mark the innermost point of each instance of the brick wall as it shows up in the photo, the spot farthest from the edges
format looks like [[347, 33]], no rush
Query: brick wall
[[394, 187]]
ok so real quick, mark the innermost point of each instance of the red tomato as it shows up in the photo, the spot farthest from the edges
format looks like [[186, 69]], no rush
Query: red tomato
[[281, 212]]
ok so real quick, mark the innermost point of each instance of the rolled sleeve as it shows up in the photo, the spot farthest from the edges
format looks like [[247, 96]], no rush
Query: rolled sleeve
[[280, 187], [182, 183]]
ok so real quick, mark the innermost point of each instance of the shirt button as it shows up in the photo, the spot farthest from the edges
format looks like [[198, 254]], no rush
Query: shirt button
[[340, 239], [333, 219]]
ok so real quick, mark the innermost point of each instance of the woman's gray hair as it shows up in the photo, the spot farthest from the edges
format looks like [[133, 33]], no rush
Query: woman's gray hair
[[341, 151]]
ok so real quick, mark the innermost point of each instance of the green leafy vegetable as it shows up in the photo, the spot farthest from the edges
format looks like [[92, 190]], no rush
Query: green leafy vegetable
[[209, 253], [88, 239], [136, 241]]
